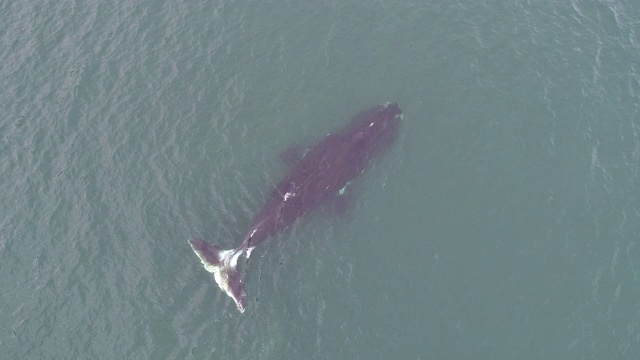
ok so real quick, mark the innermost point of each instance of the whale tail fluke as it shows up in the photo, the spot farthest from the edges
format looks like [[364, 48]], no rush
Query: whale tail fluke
[[223, 265]]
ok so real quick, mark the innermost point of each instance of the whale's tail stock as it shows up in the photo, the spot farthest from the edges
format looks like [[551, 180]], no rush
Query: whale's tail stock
[[223, 265]]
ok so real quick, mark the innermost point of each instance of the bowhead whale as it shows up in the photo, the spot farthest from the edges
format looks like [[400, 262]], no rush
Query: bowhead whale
[[315, 178]]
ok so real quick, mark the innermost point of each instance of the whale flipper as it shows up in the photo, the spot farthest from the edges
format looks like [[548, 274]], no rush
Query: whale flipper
[[293, 155]]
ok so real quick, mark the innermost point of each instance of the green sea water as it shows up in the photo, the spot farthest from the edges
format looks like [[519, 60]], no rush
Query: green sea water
[[503, 224]]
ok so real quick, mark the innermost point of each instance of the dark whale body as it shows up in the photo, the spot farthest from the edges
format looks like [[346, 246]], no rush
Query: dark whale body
[[316, 178]]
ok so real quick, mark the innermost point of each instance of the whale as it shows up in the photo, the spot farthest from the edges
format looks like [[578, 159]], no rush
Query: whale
[[315, 177]]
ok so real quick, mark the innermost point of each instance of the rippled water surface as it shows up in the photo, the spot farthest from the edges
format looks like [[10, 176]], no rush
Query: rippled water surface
[[503, 224]]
